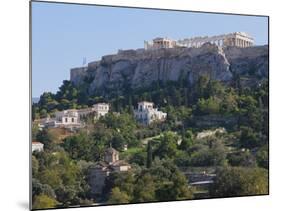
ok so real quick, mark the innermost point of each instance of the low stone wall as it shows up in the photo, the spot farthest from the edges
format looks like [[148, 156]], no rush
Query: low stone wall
[[207, 121]]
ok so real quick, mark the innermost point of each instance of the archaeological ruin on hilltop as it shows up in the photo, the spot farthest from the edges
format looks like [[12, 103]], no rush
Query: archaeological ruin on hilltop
[[238, 39], [164, 59]]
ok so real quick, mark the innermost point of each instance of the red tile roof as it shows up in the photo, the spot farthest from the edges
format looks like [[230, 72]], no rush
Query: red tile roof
[[36, 142]]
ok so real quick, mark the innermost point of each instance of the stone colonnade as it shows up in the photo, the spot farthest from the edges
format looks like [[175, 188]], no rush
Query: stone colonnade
[[239, 42], [162, 43], [238, 39], [198, 43]]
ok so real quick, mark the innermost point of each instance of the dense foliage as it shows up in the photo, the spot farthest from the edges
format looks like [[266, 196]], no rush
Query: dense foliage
[[240, 181], [161, 182], [159, 153]]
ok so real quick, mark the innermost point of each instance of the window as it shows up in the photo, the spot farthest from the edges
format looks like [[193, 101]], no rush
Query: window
[[65, 120], [72, 119]]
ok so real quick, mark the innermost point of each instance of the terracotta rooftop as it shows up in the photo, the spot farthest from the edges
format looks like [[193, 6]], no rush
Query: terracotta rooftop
[[36, 142], [120, 163], [111, 150]]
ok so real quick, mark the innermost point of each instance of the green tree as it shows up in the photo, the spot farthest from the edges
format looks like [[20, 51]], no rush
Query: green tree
[[68, 194], [50, 177], [249, 138], [35, 112], [35, 130], [82, 147], [262, 157], [187, 140], [170, 183], [201, 86], [144, 188], [168, 145], [139, 158], [46, 138], [43, 113], [38, 189], [122, 127], [123, 180], [149, 155], [245, 159], [174, 190], [45, 99], [239, 181], [63, 175], [250, 113], [208, 106], [35, 166], [211, 154], [44, 202], [67, 91], [118, 197], [229, 103]]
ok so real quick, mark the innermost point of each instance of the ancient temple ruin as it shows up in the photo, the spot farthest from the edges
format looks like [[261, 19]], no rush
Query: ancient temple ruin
[[238, 39]]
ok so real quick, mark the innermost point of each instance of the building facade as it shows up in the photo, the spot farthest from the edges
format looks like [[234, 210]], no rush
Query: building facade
[[72, 118], [103, 169], [99, 109], [111, 155], [237, 39], [146, 114], [37, 146], [68, 117], [159, 43]]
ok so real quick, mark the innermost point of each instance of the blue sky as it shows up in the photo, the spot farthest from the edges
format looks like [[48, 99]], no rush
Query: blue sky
[[63, 34]]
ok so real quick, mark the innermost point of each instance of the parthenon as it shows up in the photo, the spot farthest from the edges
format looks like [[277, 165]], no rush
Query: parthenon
[[238, 39]]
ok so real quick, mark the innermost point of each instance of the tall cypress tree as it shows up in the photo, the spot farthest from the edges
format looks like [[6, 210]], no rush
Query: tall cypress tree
[[149, 155]]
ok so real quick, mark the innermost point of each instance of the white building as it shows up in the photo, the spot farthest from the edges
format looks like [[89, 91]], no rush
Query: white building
[[37, 146], [68, 117], [99, 109], [146, 114], [71, 118]]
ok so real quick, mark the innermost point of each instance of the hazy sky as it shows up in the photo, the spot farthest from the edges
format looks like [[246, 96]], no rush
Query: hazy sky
[[62, 34]]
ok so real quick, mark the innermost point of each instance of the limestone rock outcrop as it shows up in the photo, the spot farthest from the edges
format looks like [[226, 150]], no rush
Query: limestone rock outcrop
[[138, 68]]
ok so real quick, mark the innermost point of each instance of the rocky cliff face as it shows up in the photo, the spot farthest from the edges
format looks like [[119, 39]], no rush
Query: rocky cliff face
[[138, 68], [252, 61]]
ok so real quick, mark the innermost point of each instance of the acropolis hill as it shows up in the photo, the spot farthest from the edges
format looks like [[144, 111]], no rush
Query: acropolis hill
[[220, 60]]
